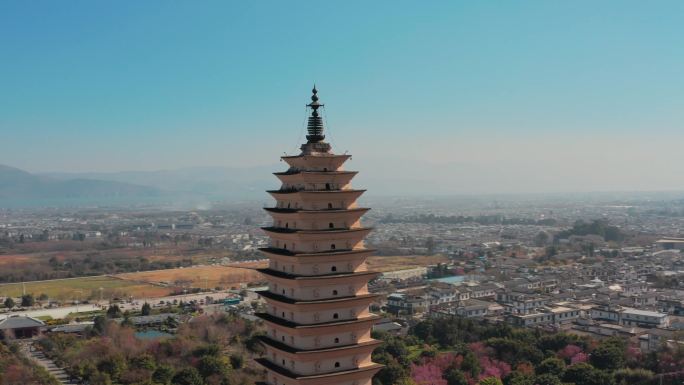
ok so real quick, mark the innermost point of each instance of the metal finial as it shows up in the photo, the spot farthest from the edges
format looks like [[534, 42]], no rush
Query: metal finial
[[315, 125]]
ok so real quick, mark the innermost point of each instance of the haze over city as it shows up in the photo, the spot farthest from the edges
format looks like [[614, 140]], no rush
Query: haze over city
[[465, 97]]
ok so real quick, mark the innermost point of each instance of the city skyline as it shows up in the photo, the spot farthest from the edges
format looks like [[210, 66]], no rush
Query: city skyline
[[472, 98]]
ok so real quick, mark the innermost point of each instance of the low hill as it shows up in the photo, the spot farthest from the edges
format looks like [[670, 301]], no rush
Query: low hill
[[19, 188]]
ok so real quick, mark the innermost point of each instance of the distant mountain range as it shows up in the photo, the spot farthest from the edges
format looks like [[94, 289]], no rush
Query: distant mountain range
[[19, 188], [201, 186], [209, 183]]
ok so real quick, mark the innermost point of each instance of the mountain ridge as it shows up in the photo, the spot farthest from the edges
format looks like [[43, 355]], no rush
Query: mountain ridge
[[19, 188]]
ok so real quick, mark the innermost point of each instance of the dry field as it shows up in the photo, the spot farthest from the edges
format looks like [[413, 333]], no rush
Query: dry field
[[84, 288], [159, 283], [401, 262], [198, 276]]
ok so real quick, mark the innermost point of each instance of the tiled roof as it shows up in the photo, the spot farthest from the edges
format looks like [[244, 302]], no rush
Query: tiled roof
[[20, 322]]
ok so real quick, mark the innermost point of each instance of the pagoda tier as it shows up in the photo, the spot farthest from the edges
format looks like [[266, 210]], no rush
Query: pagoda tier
[[316, 200], [362, 375], [320, 162], [309, 288], [316, 240], [312, 264], [319, 360], [316, 180], [317, 303], [315, 219]]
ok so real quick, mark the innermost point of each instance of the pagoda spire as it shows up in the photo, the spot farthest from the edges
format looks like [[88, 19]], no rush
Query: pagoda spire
[[315, 124]]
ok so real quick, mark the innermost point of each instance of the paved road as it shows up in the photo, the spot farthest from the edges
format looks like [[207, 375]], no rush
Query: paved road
[[136, 304], [56, 312]]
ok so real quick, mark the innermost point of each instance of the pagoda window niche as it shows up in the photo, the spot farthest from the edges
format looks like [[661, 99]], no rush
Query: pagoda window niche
[[331, 225], [332, 246], [334, 268]]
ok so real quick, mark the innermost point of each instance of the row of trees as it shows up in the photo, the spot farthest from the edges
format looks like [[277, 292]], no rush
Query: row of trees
[[27, 300], [211, 350], [462, 352]]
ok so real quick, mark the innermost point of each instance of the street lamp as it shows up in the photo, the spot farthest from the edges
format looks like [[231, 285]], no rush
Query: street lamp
[[78, 298]]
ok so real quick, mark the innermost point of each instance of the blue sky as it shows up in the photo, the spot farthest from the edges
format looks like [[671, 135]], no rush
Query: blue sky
[[576, 95]]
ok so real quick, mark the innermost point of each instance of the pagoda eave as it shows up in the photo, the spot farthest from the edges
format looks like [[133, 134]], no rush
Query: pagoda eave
[[320, 304], [322, 173], [323, 212], [307, 254], [314, 328], [316, 194], [327, 232], [320, 353], [326, 279], [321, 379]]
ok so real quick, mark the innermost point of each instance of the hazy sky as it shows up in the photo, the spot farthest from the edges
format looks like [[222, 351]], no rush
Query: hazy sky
[[473, 96]]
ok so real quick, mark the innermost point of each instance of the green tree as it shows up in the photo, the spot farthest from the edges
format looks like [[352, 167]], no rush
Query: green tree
[[99, 324], [113, 365], [213, 365], [517, 378], [470, 364], [547, 379], [393, 372], [554, 366], [9, 303], [163, 374], [628, 376], [188, 376], [146, 309], [585, 374], [609, 355], [490, 381], [144, 361], [27, 300], [454, 376], [99, 378], [114, 312]]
